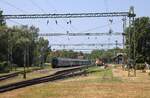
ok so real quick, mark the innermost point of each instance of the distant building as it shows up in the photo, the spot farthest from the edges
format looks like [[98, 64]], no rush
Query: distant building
[[120, 58]]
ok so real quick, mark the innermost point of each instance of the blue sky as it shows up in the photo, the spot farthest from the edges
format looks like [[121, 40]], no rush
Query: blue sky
[[90, 25]]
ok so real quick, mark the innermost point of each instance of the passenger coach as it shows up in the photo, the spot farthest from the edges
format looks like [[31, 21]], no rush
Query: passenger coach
[[67, 62]]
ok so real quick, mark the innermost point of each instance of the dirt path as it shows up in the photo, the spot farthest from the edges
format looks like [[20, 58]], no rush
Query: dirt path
[[89, 87], [141, 77]]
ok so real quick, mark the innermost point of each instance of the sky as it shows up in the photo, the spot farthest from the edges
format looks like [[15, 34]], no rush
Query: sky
[[84, 25]]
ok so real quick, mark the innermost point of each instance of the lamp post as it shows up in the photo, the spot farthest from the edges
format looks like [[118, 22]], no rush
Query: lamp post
[[132, 56], [24, 66], [116, 48], [42, 56]]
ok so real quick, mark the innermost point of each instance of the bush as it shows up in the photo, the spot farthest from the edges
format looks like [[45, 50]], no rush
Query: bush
[[4, 67], [140, 66]]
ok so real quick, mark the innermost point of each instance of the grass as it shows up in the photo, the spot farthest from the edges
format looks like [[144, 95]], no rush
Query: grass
[[99, 83], [35, 74], [2, 74], [27, 69], [103, 75], [18, 69]]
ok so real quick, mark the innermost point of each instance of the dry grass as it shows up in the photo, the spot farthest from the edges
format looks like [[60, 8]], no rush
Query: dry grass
[[140, 76], [91, 86], [35, 74]]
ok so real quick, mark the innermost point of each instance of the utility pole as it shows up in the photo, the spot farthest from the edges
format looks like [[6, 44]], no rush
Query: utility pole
[[116, 47], [115, 50], [42, 56], [132, 57], [124, 28], [24, 67], [134, 50], [116, 44], [123, 35]]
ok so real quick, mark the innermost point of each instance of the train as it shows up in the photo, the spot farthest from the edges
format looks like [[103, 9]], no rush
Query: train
[[99, 62], [68, 62]]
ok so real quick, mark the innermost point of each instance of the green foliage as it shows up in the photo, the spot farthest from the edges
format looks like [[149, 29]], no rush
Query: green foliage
[[142, 39], [97, 54], [140, 66], [19, 41], [3, 44], [2, 21], [64, 54], [106, 55], [4, 67]]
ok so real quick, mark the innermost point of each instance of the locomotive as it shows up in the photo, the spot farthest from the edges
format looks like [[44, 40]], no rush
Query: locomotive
[[99, 62], [67, 62]]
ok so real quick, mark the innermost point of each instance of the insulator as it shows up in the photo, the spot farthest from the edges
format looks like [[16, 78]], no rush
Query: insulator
[[111, 20], [110, 31], [70, 21], [56, 21], [47, 21], [67, 32]]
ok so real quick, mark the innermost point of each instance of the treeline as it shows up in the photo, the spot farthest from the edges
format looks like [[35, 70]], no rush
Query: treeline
[[142, 39], [20, 41], [65, 54], [21, 45], [106, 55]]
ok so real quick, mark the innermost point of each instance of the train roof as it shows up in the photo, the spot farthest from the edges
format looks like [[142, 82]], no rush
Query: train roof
[[72, 59]]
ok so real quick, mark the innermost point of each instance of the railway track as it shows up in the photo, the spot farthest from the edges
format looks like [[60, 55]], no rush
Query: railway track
[[15, 74], [5, 77], [56, 76]]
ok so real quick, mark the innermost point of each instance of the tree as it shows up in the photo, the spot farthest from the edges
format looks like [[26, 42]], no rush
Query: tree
[[142, 30], [14, 40], [42, 46], [20, 45], [2, 21], [3, 43]]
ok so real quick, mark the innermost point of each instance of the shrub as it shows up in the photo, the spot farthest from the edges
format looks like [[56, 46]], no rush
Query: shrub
[[140, 66], [4, 67]]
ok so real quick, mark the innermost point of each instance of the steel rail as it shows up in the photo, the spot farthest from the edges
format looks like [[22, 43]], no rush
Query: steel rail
[[4, 77], [15, 74], [56, 76]]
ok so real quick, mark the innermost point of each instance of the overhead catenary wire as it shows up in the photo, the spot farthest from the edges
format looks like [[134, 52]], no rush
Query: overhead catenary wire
[[43, 11], [13, 6], [102, 26], [110, 30], [17, 8], [13, 21], [37, 6], [56, 21], [91, 29], [50, 4], [68, 22], [106, 5], [110, 21], [95, 28]]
